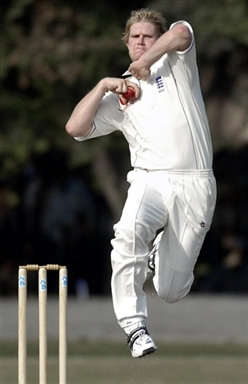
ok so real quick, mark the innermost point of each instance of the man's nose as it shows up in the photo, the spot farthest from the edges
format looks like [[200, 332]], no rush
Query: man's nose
[[141, 39]]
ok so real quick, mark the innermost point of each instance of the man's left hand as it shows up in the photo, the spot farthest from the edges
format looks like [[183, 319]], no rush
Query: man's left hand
[[140, 71]]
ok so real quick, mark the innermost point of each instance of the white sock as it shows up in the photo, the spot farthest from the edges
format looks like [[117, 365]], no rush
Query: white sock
[[131, 323]]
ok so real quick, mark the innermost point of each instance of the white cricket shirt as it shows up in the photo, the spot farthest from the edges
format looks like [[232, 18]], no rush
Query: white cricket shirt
[[167, 127]]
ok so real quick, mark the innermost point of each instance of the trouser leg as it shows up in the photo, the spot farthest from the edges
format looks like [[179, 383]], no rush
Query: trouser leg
[[143, 214], [190, 215]]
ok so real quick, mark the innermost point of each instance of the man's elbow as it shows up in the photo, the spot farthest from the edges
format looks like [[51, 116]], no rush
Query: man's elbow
[[70, 129], [75, 131], [185, 37]]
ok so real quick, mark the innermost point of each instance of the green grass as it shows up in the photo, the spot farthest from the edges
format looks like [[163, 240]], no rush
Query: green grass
[[101, 363]]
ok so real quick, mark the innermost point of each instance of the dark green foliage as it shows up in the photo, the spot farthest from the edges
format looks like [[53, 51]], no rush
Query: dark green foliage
[[53, 52]]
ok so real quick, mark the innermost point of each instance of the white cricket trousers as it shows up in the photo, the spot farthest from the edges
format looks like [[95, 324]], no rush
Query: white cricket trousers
[[181, 202]]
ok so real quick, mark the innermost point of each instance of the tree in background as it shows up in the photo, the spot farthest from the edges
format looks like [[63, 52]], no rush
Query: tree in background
[[53, 52]]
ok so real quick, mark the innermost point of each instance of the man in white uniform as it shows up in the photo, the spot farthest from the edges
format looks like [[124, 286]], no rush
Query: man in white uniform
[[172, 187]]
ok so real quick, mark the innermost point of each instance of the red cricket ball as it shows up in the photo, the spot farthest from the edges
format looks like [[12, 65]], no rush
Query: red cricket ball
[[129, 95]]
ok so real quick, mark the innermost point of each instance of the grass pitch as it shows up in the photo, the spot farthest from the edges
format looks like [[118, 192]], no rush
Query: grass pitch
[[102, 363]]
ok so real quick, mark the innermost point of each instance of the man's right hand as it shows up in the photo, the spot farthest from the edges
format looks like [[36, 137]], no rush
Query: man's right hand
[[120, 86]]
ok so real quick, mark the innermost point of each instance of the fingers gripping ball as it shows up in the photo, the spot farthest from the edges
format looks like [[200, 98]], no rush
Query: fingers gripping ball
[[130, 94], [127, 96]]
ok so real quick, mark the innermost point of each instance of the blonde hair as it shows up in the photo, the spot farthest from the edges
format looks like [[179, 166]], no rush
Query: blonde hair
[[145, 15]]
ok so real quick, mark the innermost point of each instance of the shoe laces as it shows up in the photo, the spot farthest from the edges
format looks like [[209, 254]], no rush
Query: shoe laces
[[140, 332]]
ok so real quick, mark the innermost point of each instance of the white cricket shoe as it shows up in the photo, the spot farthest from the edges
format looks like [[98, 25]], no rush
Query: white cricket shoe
[[141, 343]]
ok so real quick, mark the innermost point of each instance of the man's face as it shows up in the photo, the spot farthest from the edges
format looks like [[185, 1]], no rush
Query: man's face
[[141, 37]]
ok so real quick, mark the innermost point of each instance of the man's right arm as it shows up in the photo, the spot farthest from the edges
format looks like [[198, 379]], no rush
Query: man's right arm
[[81, 120]]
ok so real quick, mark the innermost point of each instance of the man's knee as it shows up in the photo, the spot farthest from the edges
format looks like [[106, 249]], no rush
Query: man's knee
[[173, 297], [174, 291]]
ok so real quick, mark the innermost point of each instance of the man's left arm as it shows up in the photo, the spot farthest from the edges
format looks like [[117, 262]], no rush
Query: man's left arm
[[177, 38]]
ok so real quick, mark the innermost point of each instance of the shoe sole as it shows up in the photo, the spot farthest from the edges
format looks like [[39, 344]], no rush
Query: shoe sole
[[146, 352]]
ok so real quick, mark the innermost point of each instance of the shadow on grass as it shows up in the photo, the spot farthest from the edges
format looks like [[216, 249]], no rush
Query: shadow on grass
[[103, 348]]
